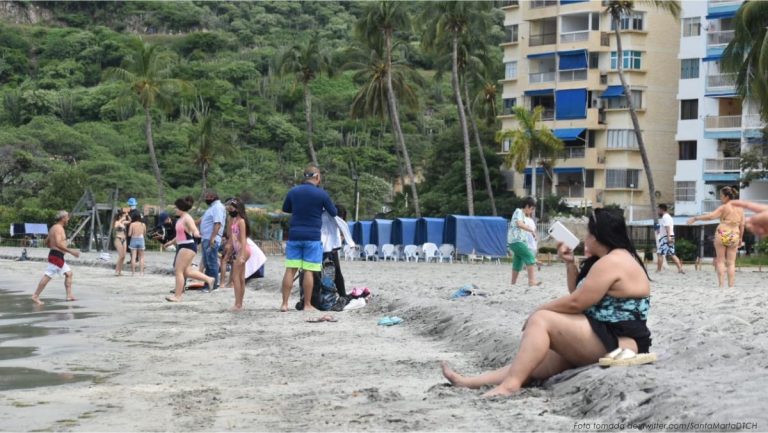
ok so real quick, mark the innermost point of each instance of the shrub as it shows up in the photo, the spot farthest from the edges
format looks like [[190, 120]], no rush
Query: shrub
[[685, 250], [761, 247]]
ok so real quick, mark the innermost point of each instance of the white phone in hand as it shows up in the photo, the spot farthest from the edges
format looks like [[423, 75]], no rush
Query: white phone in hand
[[562, 234]]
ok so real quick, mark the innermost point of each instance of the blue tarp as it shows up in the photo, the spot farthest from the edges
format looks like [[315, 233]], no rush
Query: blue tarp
[[613, 92], [404, 231], [570, 60], [381, 233], [568, 134], [539, 92], [430, 230], [571, 104], [362, 233], [351, 225], [486, 236]]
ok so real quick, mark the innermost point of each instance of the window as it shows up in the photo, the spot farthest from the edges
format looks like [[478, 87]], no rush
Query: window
[[591, 139], [685, 191], [594, 60], [511, 70], [621, 139], [689, 68], [589, 181], [622, 178], [621, 101], [687, 150], [509, 103], [691, 26], [512, 33], [689, 109], [595, 21], [630, 22], [632, 59]]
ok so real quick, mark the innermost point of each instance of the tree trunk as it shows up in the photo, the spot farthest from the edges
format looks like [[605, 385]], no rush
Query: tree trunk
[[153, 158], [308, 115], [463, 120], [480, 150], [395, 118], [635, 122], [205, 177]]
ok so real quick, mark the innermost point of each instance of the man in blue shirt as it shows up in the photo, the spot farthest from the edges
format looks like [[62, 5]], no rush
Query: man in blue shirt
[[304, 250], [211, 229]]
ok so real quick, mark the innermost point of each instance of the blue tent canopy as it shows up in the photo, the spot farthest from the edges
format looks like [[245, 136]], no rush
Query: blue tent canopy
[[482, 235], [571, 104], [430, 230], [613, 92], [404, 231], [570, 60], [351, 225], [381, 233], [362, 233], [568, 134]]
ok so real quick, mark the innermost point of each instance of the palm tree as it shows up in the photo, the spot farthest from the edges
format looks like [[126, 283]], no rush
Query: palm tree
[[148, 71], [618, 9], [448, 21], [376, 28], [206, 140], [306, 61], [530, 144]]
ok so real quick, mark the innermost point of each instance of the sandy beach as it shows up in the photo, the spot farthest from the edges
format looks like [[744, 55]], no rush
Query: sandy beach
[[142, 364]]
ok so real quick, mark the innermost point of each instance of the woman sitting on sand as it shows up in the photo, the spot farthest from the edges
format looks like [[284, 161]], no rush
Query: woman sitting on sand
[[187, 238], [606, 309], [728, 236]]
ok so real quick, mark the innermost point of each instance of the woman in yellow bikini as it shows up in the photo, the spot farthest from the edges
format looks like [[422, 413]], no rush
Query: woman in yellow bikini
[[728, 236]]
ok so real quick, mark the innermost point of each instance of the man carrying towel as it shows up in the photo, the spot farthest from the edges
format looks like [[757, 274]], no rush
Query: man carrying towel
[[304, 250], [57, 242]]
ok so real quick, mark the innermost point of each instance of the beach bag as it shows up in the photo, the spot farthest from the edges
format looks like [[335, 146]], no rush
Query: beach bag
[[324, 293]]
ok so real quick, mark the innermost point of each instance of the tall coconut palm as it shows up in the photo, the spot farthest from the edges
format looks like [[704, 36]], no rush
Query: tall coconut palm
[[377, 28], [307, 61], [617, 9], [530, 144], [449, 21], [147, 71], [207, 141]]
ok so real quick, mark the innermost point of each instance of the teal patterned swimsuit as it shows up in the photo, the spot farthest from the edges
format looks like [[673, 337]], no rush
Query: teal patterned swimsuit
[[611, 309]]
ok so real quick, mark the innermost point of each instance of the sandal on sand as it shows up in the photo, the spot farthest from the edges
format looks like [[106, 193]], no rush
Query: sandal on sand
[[626, 357], [326, 318]]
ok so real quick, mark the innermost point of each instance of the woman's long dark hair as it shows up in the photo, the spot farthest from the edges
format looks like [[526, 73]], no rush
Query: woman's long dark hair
[[608, 228], [240, 208]]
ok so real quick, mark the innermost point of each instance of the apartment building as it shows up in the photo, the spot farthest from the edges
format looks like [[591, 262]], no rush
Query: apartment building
[[714, 125], [561, 55]]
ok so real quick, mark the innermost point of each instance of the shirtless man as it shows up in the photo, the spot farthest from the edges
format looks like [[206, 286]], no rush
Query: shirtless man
[[57, 242]]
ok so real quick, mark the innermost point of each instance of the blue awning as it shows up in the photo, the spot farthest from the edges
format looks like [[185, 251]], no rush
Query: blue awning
[[568, 2], [571, 104], [539, 171], [541, 55], [568, 170], [712, 58], [539, 92], [570, 60], [721, 15], [613, 92], [567, 134]]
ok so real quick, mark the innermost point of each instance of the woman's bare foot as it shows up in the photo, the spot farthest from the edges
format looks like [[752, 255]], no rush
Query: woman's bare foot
[[284, 308], [455, 378], [500, 391], [309, 308], [71, 298], [236, 309], [172, 299], [37, 300]]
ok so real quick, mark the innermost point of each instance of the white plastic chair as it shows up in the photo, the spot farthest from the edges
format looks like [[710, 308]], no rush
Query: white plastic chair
[[388, 250], [351, 253], [446, 253], [410, 253], [371, 251], [430, 252]]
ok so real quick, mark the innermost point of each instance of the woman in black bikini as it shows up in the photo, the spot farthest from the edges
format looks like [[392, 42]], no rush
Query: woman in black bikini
[[121, 220], [606, 310]]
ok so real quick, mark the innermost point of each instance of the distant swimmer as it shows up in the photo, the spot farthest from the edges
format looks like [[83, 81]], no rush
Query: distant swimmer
[[57, 242]]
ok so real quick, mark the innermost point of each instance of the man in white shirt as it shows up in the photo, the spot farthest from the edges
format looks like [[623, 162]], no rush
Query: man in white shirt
[[666, 239]]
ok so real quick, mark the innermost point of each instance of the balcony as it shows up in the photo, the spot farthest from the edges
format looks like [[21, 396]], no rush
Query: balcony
[[536, 4], [722, 122], [548, 114], [573, 75], [722, 37], [579, 36], [541, 77], [721, 81], [510, 3], [722, 165], [570, 191], [542, 39], [575, 152]]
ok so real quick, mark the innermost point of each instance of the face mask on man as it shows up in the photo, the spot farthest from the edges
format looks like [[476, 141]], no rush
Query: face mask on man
[[233, 213], [208, 201]]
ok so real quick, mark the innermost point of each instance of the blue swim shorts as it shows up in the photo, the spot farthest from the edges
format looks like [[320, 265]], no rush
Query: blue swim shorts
[[307, 255]]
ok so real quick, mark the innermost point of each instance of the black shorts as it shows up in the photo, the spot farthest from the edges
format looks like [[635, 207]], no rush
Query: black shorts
[[609, 333], [190, 246]]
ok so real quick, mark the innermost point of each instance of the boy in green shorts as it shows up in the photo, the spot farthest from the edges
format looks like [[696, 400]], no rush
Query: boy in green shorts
[[518, 244]]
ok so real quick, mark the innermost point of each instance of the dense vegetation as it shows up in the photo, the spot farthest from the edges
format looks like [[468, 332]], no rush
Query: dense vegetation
[[236, 119]]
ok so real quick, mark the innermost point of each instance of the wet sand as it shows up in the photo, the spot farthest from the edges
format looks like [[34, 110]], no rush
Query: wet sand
[[196, 366]]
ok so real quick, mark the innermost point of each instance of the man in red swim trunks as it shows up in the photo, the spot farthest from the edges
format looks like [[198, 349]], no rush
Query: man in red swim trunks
[[57, 242]]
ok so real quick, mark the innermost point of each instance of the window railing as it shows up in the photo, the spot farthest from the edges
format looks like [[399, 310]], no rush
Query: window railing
[[622, 146], [510, 3], [578, 36], [535, 4], [574, 75], [548, 114], [570, 191], [541, 77], [575, 152], [542, 39], [721, 80], [722, 165], [722, 122], [722, 37]]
